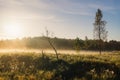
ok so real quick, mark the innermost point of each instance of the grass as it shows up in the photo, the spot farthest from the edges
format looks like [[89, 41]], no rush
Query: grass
[[80, 66]]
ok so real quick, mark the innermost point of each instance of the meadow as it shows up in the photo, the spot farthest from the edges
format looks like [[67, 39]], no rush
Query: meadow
[[71, 65]]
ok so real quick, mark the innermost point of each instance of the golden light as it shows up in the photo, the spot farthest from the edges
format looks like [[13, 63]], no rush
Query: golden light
[[12, 30]]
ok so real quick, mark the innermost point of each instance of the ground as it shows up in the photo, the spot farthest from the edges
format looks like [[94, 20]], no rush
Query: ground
[[83, 65]]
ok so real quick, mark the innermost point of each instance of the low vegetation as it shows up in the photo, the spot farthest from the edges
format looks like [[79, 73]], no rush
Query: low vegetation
[[45, 66]]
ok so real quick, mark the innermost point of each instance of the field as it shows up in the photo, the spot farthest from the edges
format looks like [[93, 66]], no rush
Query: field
[[37, 65]]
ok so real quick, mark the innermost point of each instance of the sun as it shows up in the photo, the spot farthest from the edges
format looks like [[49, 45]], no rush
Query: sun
[[13, 30]]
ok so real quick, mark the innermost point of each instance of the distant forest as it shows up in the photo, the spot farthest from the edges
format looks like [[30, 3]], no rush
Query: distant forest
[[59, 43]]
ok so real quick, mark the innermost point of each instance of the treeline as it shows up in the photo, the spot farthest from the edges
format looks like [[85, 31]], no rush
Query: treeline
[[89, 44], [59, 43], [37, 43]]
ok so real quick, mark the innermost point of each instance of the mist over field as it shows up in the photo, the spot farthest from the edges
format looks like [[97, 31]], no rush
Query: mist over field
[[34, 58]]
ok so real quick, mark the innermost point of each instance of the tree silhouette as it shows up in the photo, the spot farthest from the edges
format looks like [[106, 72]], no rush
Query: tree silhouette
[[86, 43], [77, 44], [49, 41], [100, 32]]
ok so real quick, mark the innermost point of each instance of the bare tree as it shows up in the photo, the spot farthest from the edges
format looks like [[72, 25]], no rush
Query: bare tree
[[100, 32], [49, 41]]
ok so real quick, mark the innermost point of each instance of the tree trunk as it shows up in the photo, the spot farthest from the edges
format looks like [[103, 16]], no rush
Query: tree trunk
[[53, 48], [100, 46]]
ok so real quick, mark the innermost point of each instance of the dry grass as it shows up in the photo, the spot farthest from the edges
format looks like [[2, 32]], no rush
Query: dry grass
[[83, 65]]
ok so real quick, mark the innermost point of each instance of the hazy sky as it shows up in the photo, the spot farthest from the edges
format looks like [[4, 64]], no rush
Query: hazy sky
[[65, 18]]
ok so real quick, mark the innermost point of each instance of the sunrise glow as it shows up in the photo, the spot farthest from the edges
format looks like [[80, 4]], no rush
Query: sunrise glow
[[12, 30]]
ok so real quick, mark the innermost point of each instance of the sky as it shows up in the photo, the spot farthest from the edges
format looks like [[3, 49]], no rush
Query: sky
[[63, 18]]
